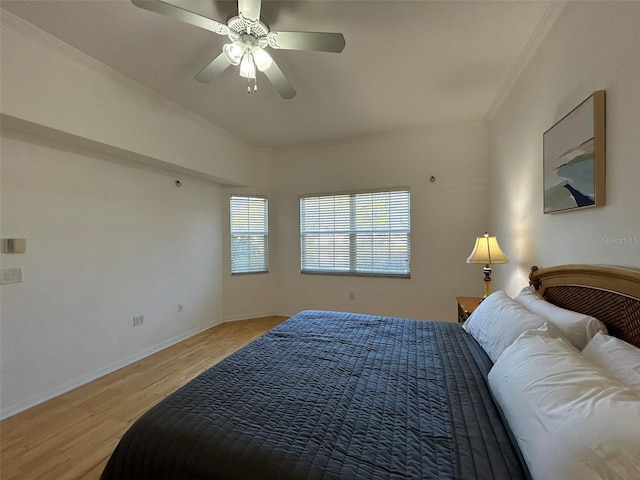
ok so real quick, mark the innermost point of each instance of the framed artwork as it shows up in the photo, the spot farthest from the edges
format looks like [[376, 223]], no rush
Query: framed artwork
[[574, 158]]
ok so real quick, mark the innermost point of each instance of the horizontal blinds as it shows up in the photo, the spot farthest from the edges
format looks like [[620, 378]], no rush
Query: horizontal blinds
[[357, 233], [249, 234]]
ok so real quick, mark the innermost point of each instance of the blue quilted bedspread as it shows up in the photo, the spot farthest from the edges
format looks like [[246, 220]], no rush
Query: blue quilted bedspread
[[330, 395]]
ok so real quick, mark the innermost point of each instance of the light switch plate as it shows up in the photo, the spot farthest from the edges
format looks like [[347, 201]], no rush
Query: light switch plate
[[11, 275], [14, 245]]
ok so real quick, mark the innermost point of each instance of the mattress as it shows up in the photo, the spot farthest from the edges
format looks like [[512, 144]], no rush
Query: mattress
[[330, 395]]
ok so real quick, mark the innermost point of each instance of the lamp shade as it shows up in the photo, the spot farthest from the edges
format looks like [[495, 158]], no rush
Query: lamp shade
[[487, 251]]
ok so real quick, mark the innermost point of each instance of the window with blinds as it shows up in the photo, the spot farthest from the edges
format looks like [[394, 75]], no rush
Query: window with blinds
[[249, 234], [365, 233]]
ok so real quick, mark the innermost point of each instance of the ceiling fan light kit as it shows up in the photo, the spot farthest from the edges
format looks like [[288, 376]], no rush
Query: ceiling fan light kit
[[262, 58], [249, 39], [233, 52]]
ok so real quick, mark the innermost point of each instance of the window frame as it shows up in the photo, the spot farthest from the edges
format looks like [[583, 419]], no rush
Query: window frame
[[259, 233], [353, 269]]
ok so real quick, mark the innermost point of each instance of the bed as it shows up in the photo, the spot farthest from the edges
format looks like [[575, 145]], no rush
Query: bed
[[336, 395]]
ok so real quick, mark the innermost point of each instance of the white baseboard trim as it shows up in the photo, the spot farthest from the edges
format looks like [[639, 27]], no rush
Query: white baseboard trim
[[65, 387], [235, 318]]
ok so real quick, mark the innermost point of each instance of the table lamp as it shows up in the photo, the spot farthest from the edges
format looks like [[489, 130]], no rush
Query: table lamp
[[488, 252]]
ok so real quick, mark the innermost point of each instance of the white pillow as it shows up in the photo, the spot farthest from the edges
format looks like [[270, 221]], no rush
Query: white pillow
[[578, 328], [569, 419], [498, 321], [616, 357]]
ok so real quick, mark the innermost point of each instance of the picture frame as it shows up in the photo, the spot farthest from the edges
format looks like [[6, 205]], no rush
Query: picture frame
[[574, 158]]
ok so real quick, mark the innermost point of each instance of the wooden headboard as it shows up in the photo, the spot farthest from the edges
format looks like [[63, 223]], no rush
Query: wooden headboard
[[611, 294]]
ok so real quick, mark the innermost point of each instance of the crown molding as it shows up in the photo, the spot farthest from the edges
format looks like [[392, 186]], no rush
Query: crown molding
[[549, 17]]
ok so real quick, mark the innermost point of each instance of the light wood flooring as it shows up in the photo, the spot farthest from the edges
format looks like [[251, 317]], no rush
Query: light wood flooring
[[73, 435]]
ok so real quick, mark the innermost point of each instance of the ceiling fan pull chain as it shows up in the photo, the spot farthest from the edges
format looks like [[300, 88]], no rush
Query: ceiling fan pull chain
[[255, 85]]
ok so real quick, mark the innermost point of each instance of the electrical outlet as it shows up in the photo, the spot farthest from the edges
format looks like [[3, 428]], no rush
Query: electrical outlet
[[352, 295], [180, 307], [138, 320]]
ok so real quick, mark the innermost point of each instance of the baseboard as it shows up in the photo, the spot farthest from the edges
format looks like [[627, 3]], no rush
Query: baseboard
[[235, 318], [11, 410]]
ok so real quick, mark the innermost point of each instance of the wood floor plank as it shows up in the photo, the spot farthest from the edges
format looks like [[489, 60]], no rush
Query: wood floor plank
[[72, 436]]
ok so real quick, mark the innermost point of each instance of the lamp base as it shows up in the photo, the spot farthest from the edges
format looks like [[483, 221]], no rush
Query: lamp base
[[487, 280]]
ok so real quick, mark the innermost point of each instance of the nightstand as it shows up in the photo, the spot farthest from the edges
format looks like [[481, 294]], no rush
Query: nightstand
[[466, 306]]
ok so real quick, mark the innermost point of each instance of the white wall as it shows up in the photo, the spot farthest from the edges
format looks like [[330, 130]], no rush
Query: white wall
[[48, 85], [446, 217], [252, 295], [592, 46], [109, 235], [105, 241]]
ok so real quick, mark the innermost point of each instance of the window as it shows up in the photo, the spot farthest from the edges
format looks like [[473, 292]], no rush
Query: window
[[356, 233], [249, 234]]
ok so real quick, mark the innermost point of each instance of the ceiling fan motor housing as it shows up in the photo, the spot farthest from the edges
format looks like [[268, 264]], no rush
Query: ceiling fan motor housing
[[240, 25]]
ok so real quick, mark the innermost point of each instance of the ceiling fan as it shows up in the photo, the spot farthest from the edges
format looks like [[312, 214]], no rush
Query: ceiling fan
[[249, 38]]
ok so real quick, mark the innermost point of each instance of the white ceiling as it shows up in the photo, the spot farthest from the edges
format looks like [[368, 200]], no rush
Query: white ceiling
[[406, 63]]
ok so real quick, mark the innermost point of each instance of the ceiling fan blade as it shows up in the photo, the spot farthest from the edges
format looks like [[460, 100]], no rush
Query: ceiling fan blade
[[216, 67], [316, 41], [183, 15], [280, 82], [250, 9]]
